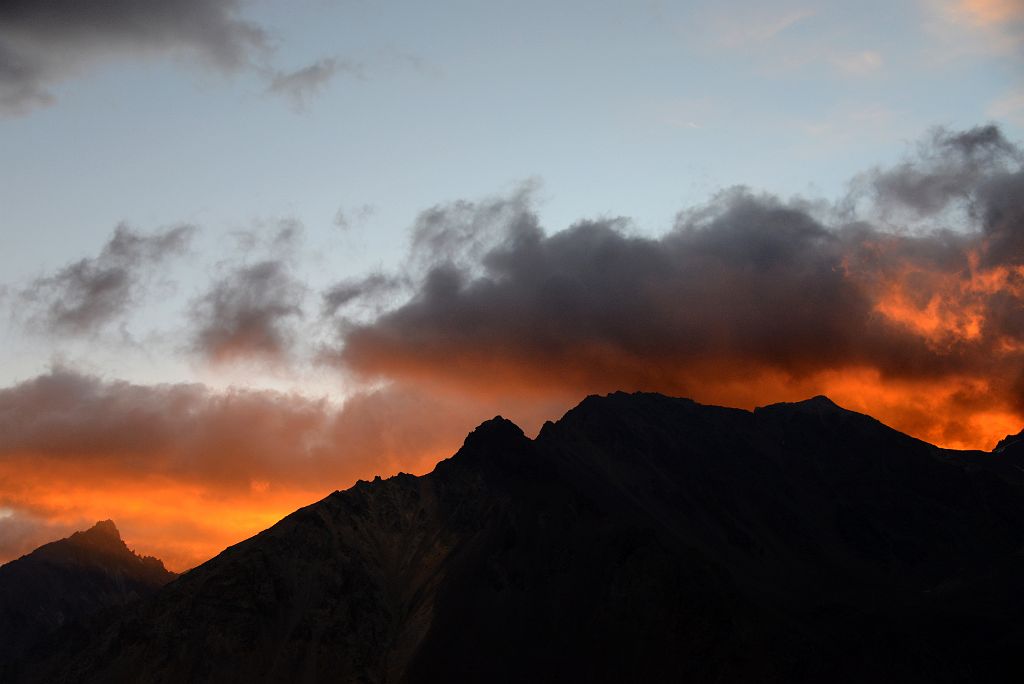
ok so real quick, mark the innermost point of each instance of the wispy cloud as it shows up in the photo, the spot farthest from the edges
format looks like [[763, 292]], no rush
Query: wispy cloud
[[301, 85], [247, 314], [82, 297], [347, 219]]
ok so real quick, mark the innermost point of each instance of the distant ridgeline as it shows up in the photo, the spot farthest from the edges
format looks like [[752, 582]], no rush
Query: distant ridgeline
[[640, 538]]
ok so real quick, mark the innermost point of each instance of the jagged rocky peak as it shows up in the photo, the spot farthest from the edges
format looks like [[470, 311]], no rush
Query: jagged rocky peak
[[104, 531], [70, 581], [496, 445], [820, 401], [497, 433], [620, 399], [102, 546], [106, 528], [102, 538]]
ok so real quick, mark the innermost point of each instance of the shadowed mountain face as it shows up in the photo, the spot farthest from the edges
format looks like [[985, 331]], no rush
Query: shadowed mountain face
[[639, 538], [70, 581]]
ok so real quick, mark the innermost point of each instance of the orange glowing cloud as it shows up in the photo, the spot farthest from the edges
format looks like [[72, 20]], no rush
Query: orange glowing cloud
[[948, 307]]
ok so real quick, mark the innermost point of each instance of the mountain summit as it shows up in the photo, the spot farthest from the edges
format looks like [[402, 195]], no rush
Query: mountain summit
[[639, 538], [70, 581]]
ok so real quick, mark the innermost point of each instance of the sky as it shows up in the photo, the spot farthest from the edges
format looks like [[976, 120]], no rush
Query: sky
[[251, 252]]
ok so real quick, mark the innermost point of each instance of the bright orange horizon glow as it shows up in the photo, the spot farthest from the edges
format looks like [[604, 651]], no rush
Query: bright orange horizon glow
[[185, 523], [182, 523]]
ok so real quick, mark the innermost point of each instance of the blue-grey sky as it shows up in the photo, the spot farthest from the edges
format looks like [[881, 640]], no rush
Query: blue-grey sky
[[634, 109], [203, 200]]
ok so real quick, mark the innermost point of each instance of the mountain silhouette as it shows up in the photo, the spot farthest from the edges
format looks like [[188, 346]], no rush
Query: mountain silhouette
[[640, 538], [69, 582]]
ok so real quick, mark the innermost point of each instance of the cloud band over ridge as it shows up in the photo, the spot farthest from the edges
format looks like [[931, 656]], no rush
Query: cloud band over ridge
[[748, 297]]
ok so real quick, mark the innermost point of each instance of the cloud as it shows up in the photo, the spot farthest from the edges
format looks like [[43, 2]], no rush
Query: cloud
[[185, 470], [182, 431], [746, 300], [86, 295], [977, 171], [948, 165], [303, 84], [348, 219], [373, 289], [288, 236], [43, 43], [277, 238], [248, 314], [461, 232]]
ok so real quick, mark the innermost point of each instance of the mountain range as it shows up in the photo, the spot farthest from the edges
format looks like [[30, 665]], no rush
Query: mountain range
[[640, 538]]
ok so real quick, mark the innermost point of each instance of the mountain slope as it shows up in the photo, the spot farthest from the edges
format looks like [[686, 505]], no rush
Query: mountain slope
[[70, 580], [639, 538]]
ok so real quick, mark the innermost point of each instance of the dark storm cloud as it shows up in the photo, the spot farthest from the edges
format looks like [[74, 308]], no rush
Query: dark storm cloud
[[977, 171], [744, 285], [724, 282], [301, 85], [248, 313], [84, 296], [42, 43]]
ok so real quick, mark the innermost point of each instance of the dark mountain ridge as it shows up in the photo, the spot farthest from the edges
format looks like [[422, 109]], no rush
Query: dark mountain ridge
[[639, 538], [66, 582]]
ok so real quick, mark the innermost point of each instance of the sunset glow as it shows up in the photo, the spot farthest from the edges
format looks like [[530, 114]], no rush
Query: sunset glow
[[251, 254]]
